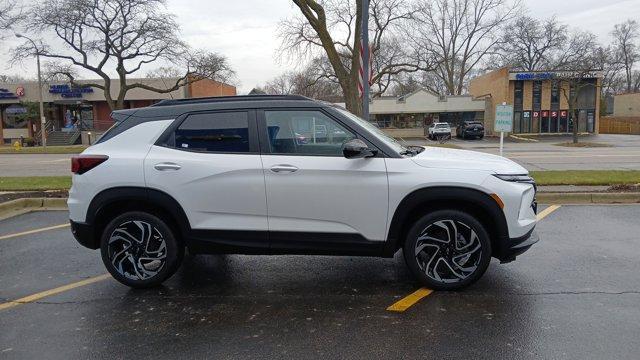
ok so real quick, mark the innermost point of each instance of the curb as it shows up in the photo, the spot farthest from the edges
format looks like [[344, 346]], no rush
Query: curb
[[588, 198], [26, 205]]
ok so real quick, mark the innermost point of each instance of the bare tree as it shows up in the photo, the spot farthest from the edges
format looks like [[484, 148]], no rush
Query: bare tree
[[10, 14], [625, 38], [329, 32], [125, 35], [305, 82], [580, 75], [530, 44], [459, 34]]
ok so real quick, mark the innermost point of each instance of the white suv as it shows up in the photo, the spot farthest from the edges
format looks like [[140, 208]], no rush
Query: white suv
[[438, 130], [249, 175]]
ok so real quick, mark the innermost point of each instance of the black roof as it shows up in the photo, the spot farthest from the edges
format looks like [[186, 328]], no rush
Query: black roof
[[168, 109]]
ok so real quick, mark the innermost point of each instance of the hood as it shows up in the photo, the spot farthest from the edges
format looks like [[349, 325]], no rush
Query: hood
[[443, 158]]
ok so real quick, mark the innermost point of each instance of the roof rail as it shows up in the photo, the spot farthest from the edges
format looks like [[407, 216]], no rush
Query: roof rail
[[213, 99]]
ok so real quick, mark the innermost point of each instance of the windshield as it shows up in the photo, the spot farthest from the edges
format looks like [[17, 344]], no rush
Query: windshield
[[374, 130]]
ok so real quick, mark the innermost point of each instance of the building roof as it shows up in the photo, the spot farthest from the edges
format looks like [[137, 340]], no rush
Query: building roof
[[425, 101]]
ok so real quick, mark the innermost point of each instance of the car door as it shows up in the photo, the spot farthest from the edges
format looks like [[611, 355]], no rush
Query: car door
[[313, 191], [210, 163]]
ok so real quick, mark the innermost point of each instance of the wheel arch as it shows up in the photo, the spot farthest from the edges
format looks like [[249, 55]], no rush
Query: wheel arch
[[422, 201], [109, 203]]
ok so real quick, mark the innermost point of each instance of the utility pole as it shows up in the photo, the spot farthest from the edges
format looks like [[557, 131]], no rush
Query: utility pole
[[365, 59], [43, 121]]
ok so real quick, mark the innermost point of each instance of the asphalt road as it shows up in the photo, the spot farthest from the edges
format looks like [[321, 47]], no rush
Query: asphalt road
[[575, 295], [543, 155]]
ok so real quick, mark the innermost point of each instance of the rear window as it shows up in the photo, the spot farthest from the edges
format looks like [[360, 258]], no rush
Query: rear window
[[214, 132], [115, 129], [442, 125]]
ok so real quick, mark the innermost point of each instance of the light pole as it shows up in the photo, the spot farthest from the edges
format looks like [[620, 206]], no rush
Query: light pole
[[43, 121], [365, 59]]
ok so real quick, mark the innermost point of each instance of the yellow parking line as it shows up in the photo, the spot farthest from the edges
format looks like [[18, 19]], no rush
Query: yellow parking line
[[544, 213], [409, 300], [34, 231], [58, 290]]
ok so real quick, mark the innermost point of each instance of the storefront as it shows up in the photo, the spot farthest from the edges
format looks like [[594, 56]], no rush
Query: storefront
[[411, 114], [540, 99], [73, 109]]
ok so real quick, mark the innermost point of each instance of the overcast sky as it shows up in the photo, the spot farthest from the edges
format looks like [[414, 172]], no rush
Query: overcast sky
[[245, 30]]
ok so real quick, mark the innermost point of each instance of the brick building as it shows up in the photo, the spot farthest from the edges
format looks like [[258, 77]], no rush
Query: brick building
[[70, 109], [538, 99]]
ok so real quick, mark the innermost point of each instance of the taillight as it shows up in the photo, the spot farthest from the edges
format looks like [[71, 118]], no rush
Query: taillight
[[82, 163]]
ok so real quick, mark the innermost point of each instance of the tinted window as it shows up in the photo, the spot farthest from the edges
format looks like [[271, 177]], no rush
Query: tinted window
[[214, 132], [305, 132]]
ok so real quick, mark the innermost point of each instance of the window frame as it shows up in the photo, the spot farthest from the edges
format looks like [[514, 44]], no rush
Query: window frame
[[167, 139], [265, 147]]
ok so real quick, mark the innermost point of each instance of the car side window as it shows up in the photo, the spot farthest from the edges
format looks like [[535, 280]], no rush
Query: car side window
[[305, 132], [214, 132]]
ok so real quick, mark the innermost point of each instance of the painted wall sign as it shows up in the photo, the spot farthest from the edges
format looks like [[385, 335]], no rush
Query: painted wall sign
[[67, 91], [16, 110]]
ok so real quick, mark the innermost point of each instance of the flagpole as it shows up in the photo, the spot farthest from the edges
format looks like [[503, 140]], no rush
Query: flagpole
[[365, 59]]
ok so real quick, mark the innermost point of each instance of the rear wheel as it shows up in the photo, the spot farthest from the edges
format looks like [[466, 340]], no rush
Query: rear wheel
[[140, 250], [447, 250]]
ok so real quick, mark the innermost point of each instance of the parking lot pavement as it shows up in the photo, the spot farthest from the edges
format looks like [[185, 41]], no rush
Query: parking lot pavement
[[574, 295], [35, 164], [623, 153]]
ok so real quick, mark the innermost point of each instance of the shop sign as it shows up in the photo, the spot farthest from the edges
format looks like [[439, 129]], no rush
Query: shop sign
[[6, 94], [545, 113], [67, 91], [536, 114], [554, 114], [563, 113], [554, 75], [20, 91]]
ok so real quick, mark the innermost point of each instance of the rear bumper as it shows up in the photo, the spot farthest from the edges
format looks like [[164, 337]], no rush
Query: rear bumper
[[517, 246], [84, 234]]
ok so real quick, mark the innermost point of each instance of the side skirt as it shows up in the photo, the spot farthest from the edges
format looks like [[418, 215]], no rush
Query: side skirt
[[283, 242]]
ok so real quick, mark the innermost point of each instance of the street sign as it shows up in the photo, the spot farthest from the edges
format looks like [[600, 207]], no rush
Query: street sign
[[504, 118]]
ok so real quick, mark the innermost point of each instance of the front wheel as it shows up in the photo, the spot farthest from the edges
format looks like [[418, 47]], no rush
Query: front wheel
[[447, 250], [140, 250]]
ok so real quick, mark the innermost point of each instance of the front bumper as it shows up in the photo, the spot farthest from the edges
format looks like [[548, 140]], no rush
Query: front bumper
[[84, 234], [517, 246]]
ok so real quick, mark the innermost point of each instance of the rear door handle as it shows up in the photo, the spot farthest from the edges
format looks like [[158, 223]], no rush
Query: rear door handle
[[283, 168], [167, 166]]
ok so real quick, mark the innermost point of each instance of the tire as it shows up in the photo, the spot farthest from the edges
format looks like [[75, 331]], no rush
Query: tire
[[440, 264], [127, 235]]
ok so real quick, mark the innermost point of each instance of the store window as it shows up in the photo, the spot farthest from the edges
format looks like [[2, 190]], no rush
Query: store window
[[564, 125], [555, 95], [537, 95], [14, 117], [544, 122], [518, 95], [553, 121]]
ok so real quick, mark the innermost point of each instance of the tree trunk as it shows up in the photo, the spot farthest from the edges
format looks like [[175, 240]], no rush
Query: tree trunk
[[575, 123]]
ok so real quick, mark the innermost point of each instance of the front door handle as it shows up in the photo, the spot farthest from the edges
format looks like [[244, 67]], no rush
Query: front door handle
[[283, 168], [167, 166]]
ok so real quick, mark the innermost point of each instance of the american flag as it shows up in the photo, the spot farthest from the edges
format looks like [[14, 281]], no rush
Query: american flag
[[361, 68]]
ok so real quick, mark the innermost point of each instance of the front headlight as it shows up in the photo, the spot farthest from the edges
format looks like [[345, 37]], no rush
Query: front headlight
[[523, 178]]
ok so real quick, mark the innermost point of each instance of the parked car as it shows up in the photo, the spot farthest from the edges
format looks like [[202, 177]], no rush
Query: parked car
[[470, 129], [436, 130], [226, 175]]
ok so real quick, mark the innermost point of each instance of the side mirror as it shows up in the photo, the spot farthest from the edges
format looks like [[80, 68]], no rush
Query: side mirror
[[356, 148]]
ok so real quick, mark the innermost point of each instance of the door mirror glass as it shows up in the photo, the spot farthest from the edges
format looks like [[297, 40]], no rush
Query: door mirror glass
[[356, 148]]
